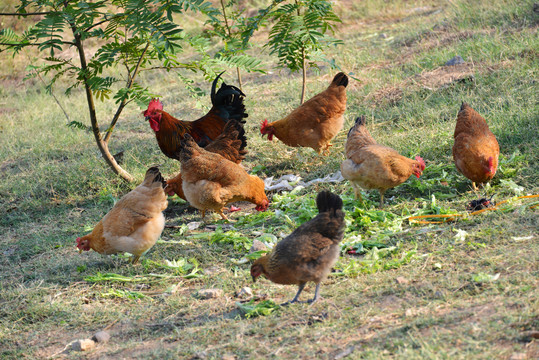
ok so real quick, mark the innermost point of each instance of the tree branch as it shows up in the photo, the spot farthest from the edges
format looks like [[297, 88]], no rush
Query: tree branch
[[36, 44], [130, 81], [167, 67], [25, 14], [104, 21]]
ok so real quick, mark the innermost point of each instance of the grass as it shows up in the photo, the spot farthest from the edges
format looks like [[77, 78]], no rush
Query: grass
[[466, 289]]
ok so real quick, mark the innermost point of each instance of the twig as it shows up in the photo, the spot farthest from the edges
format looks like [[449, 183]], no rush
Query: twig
[[51, 92], [25, 14]]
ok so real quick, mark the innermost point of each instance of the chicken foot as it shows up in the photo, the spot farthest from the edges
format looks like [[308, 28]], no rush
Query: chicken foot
[[296, 298]]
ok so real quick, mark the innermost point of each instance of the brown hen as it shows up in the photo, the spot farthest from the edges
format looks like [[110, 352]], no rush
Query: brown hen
[[315, 123], [476, 149], [134, 223], [209, 181], [230, 144], [370, 165]]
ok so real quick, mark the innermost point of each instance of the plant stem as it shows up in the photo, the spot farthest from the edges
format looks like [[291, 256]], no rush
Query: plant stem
[[303, 67], [130, 81], [230, 36], [304, 70]]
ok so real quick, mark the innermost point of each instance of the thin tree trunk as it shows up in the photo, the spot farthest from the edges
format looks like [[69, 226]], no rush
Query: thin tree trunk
[[101, 144], [303, 66], [304, 70]]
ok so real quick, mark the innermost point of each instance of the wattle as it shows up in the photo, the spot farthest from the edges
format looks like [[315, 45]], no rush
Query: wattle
[[154, 125]]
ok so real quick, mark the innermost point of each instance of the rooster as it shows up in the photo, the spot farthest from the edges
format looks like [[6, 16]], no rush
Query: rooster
[[209, 181], [315, 123], [230, 145], [227, 105], [134, 223], [476, 149], [370, 165], [309, 252]]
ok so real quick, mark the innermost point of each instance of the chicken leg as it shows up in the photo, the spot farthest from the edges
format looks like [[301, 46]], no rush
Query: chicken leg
[[295, 299]]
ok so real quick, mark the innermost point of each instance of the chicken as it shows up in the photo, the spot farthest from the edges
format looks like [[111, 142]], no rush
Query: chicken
[[169, 131], [315, 123], [134, 223], [230, 144], [309, 252], [476, 149], [210, 181], [370, 165]]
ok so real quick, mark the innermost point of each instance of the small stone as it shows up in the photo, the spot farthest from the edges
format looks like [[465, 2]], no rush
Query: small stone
[[194, 225], [518, 356], [228, 357], [402, 280], [383, 36], [83, 345], [257, 246], [200, 356], [457, 60], [210, 293], [409, 312], [101, 337], [245, 292]]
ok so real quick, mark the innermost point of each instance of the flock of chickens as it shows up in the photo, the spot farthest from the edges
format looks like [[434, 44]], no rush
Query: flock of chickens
[[211, 149]]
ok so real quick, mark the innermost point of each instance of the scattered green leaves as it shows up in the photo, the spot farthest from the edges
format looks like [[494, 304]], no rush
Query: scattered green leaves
[[262, 308]]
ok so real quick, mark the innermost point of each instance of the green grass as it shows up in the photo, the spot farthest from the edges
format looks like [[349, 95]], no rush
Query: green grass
[[469, 289]]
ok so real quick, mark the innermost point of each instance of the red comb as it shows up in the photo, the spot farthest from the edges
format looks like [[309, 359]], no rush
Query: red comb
[[421, 162], [263, 126], [155, 104]]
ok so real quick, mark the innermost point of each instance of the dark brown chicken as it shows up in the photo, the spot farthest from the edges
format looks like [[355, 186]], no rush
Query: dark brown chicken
[[227, 105], [230, 145], [476, 149], [309, 252]]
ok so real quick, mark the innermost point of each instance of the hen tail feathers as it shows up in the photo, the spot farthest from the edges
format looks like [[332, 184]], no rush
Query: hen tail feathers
[[326, 201], [157, 177], [341, 79]]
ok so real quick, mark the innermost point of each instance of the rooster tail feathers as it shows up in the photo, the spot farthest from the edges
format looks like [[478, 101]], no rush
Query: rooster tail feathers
[[156, 174], [213, 87], [228, 101], [326, 201], [341, 79]]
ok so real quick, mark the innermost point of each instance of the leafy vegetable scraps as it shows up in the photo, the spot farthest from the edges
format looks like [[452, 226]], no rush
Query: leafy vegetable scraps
[[263, 308]]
